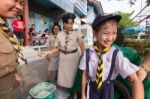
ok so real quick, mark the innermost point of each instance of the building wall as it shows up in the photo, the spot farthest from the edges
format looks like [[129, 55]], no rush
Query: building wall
[[67, 5], [90, 14], [42, 16], [42, 22], [88, 35], [10, 22], [39, 15], [77, 23]]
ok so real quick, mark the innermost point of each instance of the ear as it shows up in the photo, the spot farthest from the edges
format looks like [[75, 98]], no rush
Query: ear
[[94, 33], [94, 36]]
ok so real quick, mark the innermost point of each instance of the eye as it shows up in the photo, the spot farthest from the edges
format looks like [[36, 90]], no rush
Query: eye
[[105, 33], [21, 2], [114, 33]]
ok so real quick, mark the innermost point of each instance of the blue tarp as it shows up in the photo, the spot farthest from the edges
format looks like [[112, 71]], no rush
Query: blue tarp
[[133, 30]]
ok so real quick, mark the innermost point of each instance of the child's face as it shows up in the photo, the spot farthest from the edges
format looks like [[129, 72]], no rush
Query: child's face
[[107, 33], [10, 8]]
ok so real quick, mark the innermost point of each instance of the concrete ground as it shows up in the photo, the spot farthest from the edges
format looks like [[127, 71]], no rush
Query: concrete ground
[[34, 72], [31, 74]]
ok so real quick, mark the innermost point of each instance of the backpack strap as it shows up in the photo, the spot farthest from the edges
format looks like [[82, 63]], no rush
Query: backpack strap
[[87, 63], [112, 63]]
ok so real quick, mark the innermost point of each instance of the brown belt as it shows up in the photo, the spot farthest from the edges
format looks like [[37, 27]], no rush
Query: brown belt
[[69, 52]]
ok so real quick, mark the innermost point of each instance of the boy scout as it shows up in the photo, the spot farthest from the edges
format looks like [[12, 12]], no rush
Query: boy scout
[[105, 31]]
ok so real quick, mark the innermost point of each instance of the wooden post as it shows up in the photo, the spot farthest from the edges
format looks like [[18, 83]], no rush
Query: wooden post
[[26, 20]]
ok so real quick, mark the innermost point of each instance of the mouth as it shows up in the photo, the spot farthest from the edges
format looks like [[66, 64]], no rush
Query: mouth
[[108, 43], [15, 11]]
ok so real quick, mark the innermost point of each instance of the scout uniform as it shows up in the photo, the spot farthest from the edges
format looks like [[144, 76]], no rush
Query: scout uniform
[[9, 53], [8, 64], [54, 59], [122, 65], [103, 66], [69, 57]]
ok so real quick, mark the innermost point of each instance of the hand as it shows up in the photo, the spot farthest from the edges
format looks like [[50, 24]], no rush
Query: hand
[[141, 74], [83, 97], [21, 27], [48, 57], [17, 81], [42, 53]]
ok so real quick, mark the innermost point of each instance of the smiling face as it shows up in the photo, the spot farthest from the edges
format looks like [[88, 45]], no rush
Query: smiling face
[[10, 8], [106, 33]]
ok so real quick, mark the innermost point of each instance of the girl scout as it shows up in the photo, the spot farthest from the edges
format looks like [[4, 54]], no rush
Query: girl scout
[[53, 59], [105, 31], [8, 52], [67, 43]]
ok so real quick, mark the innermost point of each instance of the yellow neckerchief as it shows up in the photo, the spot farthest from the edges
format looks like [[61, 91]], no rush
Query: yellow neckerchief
[[8, 34], [99, 72]]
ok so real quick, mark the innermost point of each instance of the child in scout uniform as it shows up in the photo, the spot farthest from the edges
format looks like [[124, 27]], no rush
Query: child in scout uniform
[[106, 62]]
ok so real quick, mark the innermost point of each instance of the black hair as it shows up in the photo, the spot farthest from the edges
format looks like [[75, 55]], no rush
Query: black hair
[[55, 24], [65, 17], [46, 30], [20, 17], [32, 25]]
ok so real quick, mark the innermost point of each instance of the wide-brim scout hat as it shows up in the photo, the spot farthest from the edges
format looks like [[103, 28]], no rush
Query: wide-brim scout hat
[[101, 18], [67, 16]]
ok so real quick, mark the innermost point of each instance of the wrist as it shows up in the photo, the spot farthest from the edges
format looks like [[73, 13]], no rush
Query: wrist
[[144, 67]]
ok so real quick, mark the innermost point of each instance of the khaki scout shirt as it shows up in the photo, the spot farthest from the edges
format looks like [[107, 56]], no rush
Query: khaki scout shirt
[[8, 56], [72, 41]]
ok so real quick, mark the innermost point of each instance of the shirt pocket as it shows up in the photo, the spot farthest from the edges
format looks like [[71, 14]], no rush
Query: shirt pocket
[[72, 38], [73, 41], [93, 68], [5, 48], [7, 53]]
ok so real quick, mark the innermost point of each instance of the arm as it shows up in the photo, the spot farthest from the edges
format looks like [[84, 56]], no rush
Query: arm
[[33, 32], [81, 44], [144, 67], [15, 26], [146, 62], [128, 70], [142, 73], [137, 87], [17, 82], [49, 52], [23, 27], [84, 83], [54, 50]]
